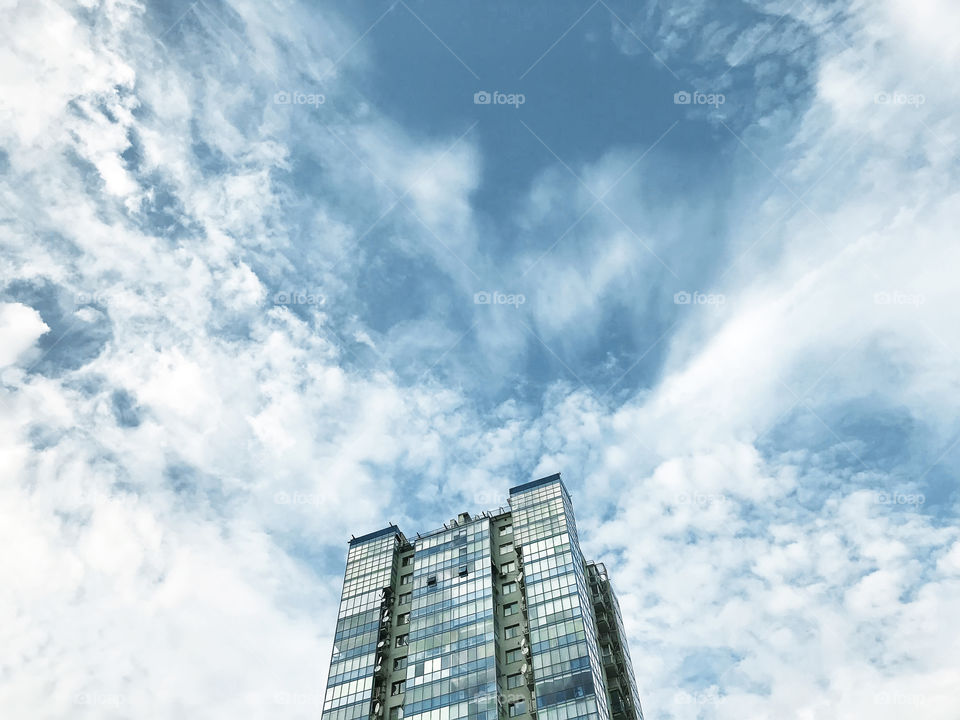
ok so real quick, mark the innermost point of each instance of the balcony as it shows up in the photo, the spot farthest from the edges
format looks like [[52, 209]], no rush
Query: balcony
[[603, 618]]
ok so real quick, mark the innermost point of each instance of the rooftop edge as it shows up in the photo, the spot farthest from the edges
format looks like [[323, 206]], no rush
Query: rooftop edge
[[389, 530], [537, 483]]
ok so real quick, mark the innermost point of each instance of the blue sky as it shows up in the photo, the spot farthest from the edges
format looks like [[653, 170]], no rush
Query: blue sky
[[705, 269]]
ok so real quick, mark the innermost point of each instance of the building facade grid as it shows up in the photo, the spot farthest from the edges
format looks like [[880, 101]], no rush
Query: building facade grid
[[492, 616]]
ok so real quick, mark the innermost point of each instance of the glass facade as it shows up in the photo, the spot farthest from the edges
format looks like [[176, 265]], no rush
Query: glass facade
[[451, 669], [566, 662], [493, 616], [370, 569]]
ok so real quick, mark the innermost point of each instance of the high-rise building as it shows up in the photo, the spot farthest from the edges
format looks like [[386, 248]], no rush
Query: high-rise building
[[495, 615]]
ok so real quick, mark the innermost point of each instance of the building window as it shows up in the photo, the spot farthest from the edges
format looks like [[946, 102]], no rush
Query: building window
[[506, 529], [406, 579], [398, 687], [518, 708], [406, 561], [506, 547], [514, 655], [401, 640], [514, 681], [508, 567], [403, 618], [431, 581], [396, 712], [400, 663], [511, 609], [511, 631], [405, 598], [463, 571], [510, 587]]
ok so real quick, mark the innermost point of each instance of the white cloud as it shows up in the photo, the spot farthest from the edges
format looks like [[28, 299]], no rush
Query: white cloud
[[20, 327]]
